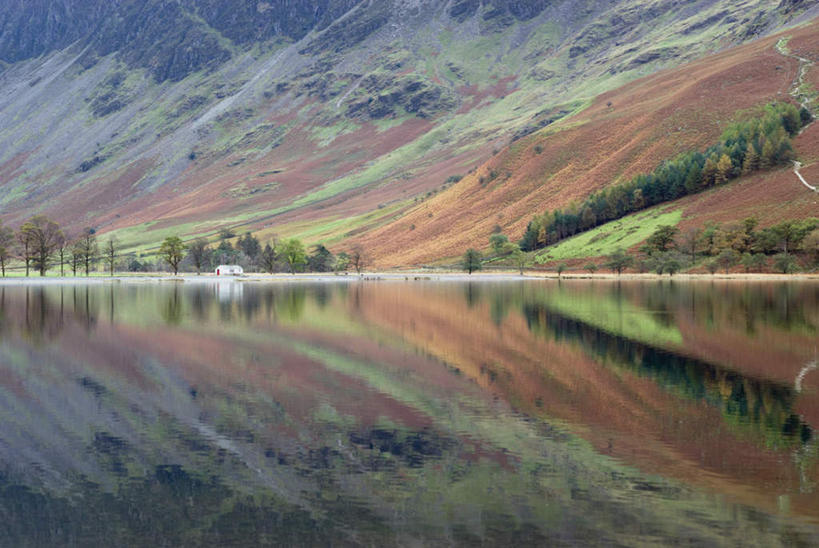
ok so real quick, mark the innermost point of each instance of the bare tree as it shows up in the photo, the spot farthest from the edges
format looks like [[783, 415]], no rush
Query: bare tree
[[111, 246], [357, 258], [76, 256], [6, 246], [40, 237], [63, 248], [25, 241], [689, 242], [87, 248]]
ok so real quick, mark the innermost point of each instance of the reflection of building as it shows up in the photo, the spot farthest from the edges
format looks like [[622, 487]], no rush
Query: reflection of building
[[228, 291], [229, 270]]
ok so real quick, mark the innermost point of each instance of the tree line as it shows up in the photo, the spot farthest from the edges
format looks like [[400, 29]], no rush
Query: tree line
[[783, 247], [277, 255], [745, 147], [40, 244]]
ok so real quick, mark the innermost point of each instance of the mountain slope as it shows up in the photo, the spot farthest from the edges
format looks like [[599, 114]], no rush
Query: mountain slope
[[318, 118], [625, 132]]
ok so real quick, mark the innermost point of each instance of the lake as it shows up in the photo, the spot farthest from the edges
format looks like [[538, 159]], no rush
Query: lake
[[409, 412]]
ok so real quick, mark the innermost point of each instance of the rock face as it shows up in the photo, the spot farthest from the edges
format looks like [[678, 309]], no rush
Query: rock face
[[172, 39]]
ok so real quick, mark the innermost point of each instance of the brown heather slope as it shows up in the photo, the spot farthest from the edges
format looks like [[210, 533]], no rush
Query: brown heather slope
[[627, 131]]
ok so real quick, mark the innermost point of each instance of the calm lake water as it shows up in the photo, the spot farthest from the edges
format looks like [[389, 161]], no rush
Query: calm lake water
[[406, 413]]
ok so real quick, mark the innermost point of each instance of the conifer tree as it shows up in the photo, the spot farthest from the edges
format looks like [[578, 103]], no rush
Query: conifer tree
[[751, 162], [768, 157], [709, 172], [724, 169]]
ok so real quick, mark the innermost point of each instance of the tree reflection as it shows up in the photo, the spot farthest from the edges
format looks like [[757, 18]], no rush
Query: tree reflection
[[172, 311], [763, 408]]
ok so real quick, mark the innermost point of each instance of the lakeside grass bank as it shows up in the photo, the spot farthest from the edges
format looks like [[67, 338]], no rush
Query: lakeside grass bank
[[406, 276]]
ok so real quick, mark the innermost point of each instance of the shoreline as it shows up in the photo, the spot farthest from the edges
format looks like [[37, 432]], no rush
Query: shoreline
[[418, 276]]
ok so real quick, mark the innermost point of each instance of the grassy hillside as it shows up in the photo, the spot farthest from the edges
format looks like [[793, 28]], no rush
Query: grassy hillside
[[624, 132]]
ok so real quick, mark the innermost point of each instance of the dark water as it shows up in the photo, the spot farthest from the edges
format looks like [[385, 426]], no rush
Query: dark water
[[406, 413]]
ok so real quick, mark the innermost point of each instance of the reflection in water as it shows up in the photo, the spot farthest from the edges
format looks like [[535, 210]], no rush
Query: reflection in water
[[397, 413], [800, 378], [763, 406]]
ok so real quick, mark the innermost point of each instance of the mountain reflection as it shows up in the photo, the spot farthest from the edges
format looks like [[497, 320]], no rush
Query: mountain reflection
[[394, 413], [764, 406]]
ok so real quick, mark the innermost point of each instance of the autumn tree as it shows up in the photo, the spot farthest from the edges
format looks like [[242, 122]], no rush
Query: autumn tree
[[810, 245], [709, 172], [472, 260], [727, 259], [751, 162], [724, 169], [689, 242], [768, 157], [198, 251], [41, 237], [172, 252]]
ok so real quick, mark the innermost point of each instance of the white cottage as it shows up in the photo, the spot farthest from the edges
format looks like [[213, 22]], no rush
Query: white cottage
[[229, 270]]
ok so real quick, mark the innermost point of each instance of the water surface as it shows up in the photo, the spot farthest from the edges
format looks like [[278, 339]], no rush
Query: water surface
[[398, 413]]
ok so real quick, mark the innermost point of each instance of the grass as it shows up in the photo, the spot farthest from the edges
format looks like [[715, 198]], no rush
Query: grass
[[327, 134], [605, 239], [333, 230]]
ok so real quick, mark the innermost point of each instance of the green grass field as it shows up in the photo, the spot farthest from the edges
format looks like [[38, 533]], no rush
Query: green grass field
[[605, 239]]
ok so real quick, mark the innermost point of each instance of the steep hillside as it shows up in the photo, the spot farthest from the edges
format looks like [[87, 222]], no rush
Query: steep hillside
[[325, 118], [625, 132]]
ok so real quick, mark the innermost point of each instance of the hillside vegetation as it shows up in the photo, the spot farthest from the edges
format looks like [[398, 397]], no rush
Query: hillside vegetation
[[625, 133], [341, 120]]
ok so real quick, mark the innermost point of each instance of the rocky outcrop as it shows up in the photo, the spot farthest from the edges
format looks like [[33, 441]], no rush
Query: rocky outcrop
[[249, 21], [171, 39], [386, 94], [352, 29]]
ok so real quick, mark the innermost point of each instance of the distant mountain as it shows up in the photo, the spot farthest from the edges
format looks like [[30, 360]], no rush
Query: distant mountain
[[318, 118]]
